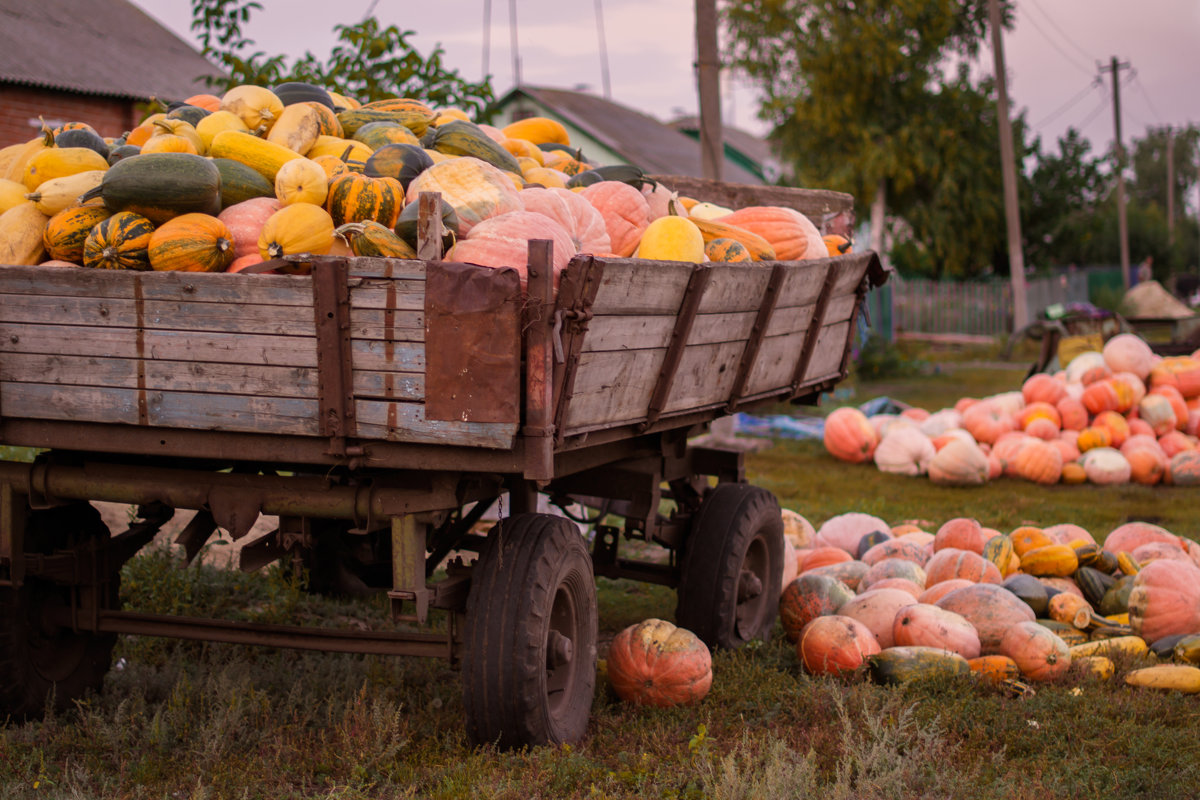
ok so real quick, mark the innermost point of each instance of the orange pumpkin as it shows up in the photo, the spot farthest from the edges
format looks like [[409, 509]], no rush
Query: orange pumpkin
[[1165, 600], [995, 670], [961, 533], [898, 548], [1038, 652], [191, 243], [655, 663], [849, 435], [1073, 414], [1043, 388], [939, 590], [823, 557], [1093, 437], [950, 563], [1181, 372], [790, 234], [832, 644], [987, 421], [119, 242], [1039, 461], [67, 231], [1116, 425]]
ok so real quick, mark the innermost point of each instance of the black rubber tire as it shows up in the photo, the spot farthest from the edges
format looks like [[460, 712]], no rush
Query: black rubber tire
[[532, 589], [36, 659], [738, 529]]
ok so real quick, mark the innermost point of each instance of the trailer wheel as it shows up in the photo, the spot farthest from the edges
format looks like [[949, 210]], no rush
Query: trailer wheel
[[732, 567], [529, 661], [38, 656]]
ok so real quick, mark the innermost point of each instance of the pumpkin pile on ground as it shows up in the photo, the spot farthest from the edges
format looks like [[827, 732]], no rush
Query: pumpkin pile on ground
[[219, 184], [915, 601], [1118, 416]]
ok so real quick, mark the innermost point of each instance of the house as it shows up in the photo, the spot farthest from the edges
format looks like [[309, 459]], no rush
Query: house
[[95, 61], [752, 153], [610, 133]]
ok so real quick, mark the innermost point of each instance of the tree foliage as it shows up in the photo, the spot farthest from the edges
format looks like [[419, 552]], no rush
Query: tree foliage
[[370, 62], [859, 92]]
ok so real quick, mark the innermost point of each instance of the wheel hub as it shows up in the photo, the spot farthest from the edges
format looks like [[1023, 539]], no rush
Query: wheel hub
[[558, 650]]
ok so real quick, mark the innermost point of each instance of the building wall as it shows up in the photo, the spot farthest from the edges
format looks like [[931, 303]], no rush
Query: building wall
[[20, 107]]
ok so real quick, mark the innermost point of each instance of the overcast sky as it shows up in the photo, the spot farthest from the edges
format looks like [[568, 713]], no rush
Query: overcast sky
[[1053, 54]]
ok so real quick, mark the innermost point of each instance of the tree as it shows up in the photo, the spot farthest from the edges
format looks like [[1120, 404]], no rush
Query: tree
[[857, 89], [369, 63], [1060, 199], [1149, 162]]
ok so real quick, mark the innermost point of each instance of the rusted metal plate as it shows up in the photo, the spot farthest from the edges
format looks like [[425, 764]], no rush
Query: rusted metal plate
[[472, 343]]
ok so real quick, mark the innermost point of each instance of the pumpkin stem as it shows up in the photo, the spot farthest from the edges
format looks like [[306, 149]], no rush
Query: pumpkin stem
[[47, 133]]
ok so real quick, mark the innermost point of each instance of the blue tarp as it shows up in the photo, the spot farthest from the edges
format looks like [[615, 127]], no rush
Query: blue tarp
[[789, 427]]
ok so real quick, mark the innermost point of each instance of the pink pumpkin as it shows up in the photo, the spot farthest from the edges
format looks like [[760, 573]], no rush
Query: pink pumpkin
[[927, 625]]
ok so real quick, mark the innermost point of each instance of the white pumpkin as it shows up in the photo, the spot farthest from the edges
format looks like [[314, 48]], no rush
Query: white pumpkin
[[959, 463], [1127, 352], [1082, 363], [1157, 412], [1105, 465], [941, 421], [904, 451]]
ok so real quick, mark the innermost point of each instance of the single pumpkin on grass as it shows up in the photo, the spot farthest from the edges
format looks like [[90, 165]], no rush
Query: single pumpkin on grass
[[656, 663], [832, 644], [849, 435]]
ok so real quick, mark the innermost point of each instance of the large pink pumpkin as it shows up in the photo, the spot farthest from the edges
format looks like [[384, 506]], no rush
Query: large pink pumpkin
[[991, 608], [927, 625], [833, 643], [877, 609]]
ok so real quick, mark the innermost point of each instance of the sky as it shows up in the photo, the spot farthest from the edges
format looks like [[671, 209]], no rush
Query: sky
[[1054, 54]]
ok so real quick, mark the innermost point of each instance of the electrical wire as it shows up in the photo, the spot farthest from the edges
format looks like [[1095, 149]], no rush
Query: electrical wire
[[1103, 105], [1087, 56], [1056, 46], [1069, 104], [1141, 88]]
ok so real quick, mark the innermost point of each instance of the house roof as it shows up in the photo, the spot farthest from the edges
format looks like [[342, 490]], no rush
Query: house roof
[[101, 47], [638, 138], [754, 148]]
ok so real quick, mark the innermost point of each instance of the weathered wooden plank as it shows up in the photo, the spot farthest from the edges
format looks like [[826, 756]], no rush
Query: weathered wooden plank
[[398, 295], [802, 283], [180, 376], [244, 318], [389, 385], [405, 422], [776, 361], [705, 375], [790, 320], [389, 356], [642, 287], [283, 351], [235, 413], [390, 268], [201, 287], [827, 357], [613, 386], [396, 326], [734, 287], [640, 333]]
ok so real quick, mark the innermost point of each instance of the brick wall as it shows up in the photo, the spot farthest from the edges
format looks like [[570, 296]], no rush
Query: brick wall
[[20, 107]]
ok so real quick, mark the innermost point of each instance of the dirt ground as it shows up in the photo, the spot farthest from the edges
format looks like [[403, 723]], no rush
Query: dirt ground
[[225, 553]]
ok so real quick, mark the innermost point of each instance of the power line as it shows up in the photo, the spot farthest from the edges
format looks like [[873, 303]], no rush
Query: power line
[[1145, 96], [1051, 40], [1096, 83], [1088, 56], [1103, 105]]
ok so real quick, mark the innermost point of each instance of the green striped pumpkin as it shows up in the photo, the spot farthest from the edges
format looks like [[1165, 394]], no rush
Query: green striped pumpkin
[[67, 231], [356, 198], [120, 242]]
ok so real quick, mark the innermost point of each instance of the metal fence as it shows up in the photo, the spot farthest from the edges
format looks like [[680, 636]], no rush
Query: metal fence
[[982, 308]]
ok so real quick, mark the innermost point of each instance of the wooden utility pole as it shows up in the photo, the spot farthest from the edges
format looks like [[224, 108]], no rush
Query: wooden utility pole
[[1170, 187], [708, 78], [1012, 216], [1122, 222]]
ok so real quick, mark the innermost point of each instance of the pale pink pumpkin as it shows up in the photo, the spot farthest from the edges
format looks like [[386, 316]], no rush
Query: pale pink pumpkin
[[1131, 535], [1073, 413], [625, 211], [877, 609], [1153, 551], [986, 421], [939, 590], [1067, 532], [503, 241], [1127, 352], [927, 625], [904, 584], [1038, 652], [577, 216], [1175, 442], [1178, 404], [991, 608], [245, 221], [1043, 388], [952, 563], [961, 533]]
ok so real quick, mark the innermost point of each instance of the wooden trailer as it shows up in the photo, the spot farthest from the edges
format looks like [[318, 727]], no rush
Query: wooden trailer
[[380, 408]]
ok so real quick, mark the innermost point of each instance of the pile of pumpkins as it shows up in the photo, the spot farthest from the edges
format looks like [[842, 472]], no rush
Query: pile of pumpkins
[[217, 184], [1031, 605], [1120, 415]]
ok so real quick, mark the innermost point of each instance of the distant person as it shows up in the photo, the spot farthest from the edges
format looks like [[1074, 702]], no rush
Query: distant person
[[1146, 270]]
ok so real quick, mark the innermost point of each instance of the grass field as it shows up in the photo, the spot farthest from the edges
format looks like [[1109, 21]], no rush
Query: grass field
[[194, 720]]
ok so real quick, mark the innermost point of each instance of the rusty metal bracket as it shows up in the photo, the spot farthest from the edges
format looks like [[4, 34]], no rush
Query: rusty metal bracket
[[815, 325], [331, 308], [757, 333], [576, 294], [688, 308]]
